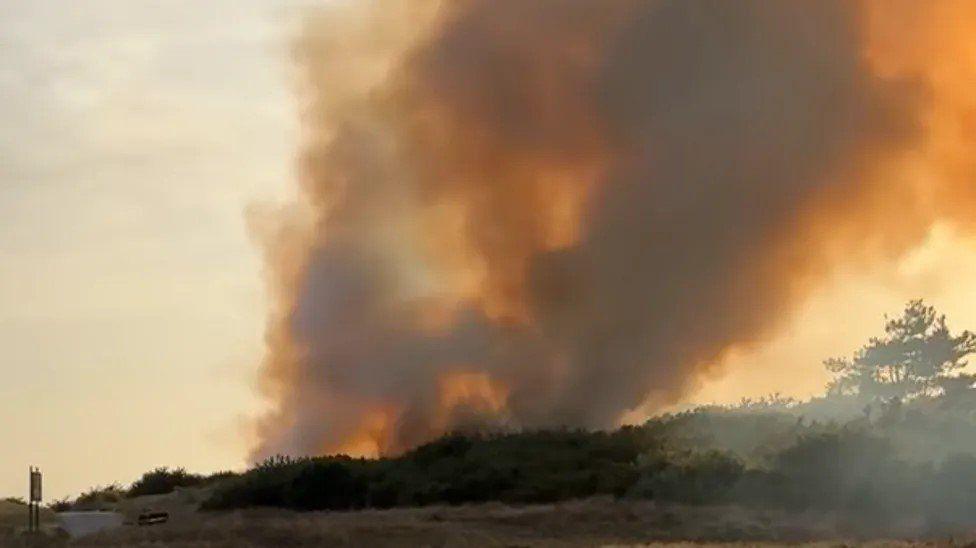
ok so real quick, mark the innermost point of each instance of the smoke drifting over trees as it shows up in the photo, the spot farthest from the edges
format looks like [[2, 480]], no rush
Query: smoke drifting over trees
[[852, 464], [549, 213]]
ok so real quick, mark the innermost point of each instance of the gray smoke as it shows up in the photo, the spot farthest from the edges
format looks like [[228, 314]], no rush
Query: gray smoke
[[535, 214]]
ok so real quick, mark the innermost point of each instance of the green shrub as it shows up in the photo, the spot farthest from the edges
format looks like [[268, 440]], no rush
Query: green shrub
[[60, 505], [163, 480], [328, 484], [771, 459], [455, 469], [263, 485], [694, 478], [99, 498]]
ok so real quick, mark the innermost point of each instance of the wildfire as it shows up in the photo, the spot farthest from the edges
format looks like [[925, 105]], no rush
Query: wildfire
[[475, 390], [588, 204], [370, 438]]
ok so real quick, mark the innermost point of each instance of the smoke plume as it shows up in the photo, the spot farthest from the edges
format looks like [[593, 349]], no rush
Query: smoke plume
[[548, 213]]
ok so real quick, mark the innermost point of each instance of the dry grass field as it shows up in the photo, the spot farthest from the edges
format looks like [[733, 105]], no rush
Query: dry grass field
[[595, 522], [13, 517]]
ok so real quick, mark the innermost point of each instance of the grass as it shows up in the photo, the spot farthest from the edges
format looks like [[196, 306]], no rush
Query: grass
[[592, 522]]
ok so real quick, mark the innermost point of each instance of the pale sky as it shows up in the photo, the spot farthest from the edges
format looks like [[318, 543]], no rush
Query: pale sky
[[134, 136]]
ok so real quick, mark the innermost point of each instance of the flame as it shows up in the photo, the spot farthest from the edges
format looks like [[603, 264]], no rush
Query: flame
[[459, 392], [371, 437]]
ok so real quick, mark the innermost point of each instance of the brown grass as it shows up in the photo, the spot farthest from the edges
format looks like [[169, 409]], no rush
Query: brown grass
[[595, 522]]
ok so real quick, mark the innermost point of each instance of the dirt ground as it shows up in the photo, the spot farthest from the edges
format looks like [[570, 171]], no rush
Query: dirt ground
[[597, 522]]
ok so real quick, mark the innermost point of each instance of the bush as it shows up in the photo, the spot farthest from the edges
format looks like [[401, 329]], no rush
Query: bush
[[769, 459], [163, 480], [694, 478], [60, 505], [455, 469], [327, 485], [263, 485], [99, 498], [220, 476]]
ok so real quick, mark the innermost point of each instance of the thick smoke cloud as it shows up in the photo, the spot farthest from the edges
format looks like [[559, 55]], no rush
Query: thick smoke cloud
[[547, 213]]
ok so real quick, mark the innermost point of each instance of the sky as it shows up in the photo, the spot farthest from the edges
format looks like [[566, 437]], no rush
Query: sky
[[843, 313], [135, 137]]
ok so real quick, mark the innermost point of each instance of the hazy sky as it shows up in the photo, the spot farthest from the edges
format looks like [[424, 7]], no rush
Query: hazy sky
[[134, 136]]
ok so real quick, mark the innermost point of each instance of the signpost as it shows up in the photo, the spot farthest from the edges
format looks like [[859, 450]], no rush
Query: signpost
[[34, 502]]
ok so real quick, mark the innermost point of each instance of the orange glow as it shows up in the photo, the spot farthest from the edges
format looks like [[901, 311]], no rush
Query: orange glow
[[539, 215], [372, 436], [936, 45], [473, 389]]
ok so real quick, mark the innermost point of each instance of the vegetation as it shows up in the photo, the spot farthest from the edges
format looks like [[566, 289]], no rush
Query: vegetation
[[163, 480], [99, 498], [889, 438], [846, 468], [521, 468], [159, 481], [61, 505], [893, 437], [916, 356]]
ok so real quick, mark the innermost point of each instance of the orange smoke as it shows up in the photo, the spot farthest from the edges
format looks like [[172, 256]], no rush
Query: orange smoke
[[471, 389], [463, 399], [370, 437], [937, 45], [589, 203]]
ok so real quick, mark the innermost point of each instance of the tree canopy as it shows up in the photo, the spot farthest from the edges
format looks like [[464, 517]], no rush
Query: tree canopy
[[917, 355]]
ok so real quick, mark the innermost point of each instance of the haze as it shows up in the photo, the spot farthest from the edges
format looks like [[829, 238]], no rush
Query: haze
[[134, 136]]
